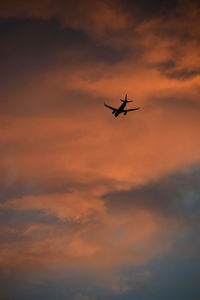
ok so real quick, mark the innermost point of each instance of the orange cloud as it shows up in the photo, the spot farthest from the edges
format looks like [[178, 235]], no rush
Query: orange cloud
[[103, 241], [63, 151], [73, 206]]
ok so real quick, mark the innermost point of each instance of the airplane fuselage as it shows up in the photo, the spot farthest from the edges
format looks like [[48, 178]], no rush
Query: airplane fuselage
[[120, 109]]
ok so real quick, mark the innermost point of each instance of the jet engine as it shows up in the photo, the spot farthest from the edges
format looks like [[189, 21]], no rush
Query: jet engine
[[125, 112]]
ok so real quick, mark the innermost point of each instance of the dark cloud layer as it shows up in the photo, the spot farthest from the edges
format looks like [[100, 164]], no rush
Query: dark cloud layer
[[148, 9], [175, 195], [169, 69]]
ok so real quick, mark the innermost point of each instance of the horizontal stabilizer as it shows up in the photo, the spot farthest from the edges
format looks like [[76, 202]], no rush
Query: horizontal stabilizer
[[126, 100]]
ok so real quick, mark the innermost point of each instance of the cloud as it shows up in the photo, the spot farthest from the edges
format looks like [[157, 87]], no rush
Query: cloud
[[80, 189], [92, 17], [171, 43], [173, 195], [73, 206], [109, 231]]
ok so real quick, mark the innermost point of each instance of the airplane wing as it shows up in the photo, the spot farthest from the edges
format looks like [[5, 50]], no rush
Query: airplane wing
[[125, 110], [115, 109]]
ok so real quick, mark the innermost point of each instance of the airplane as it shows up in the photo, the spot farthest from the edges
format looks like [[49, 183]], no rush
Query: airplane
[[117, 111]]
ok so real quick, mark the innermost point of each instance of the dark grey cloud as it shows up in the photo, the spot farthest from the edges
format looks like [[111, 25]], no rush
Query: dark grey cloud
[[145, 9], [33, 44], [164, 278], [9, 217], [164, 66], [176, 195], [33, 47], [34, 187], [183, 74], [171, 70]]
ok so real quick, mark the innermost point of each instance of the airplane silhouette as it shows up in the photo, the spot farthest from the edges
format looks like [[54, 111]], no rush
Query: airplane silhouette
[[117, 111]]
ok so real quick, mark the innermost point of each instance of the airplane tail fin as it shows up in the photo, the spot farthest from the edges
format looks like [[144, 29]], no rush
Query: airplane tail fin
[[126, 99]]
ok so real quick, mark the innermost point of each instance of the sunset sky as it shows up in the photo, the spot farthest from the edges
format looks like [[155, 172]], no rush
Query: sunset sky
[[94, 207]]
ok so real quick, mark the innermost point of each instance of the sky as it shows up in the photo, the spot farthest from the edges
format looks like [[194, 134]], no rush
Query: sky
[[91, 206]]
